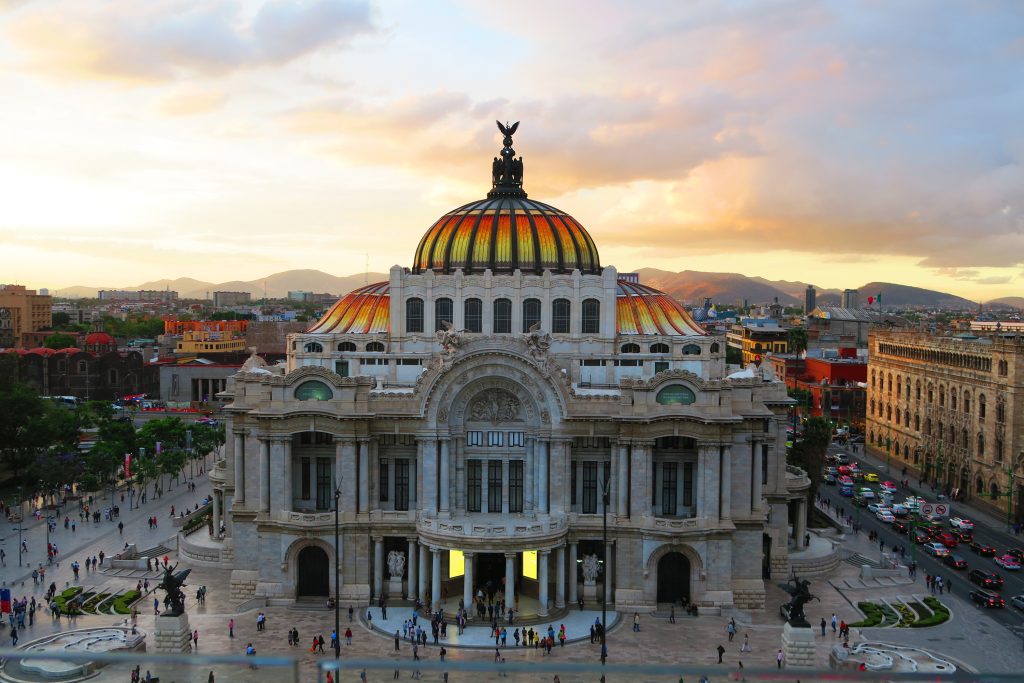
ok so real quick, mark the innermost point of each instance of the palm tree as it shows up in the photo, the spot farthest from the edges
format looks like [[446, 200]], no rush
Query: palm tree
[[797, 339]]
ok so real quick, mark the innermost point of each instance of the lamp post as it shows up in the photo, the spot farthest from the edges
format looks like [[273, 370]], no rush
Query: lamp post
[[337, 573], [1010, 468], [21, 523], [188, 450], [604, 547]]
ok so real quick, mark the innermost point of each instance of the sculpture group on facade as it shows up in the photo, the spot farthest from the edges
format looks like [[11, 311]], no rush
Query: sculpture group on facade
[[591, 567], [172, 584], [537, 341], [396, 564], [508, 170], [793, 611], [495, 406]]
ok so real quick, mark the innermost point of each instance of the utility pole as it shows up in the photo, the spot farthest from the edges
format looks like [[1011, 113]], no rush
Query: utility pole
[[1011, 466]]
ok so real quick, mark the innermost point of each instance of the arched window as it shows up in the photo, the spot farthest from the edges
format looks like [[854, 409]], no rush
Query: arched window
[[674, 395], [897, 414], [872, 406], [928, 426], [964, 441], [473, 315], [981, 445], [899, 386], [942, 395], [967, 402], [952, 399], [413, 315], [872, 377], [561, 310], [931, 395], [661, 348], [531, 313], [591, 320], [888, 413], [998, 454], [888, 386], [314, 347], [691, 350], [906, 419], [1000, 410], [917, 389], [375, 347], [502, 316], [714, 348], [313, 390], [630, 348], [348, 346], [993, 490], [981, 407], [917, 423], [979, 486], [1004, 368], [444, 312], [906, 452]]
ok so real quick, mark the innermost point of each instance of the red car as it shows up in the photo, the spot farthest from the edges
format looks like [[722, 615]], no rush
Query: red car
[[947, 539]]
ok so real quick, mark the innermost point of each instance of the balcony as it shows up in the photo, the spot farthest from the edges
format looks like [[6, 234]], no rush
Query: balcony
[[482, 530]]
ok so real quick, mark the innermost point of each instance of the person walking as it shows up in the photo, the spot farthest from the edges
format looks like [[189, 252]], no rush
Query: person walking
[[231, 628], [672, 614], [636, 622], [721, 651], [730, 629], [348, 636], [779, 658], [195, 639], [745, 647], [823, 627], [834, 620], [397, 639]]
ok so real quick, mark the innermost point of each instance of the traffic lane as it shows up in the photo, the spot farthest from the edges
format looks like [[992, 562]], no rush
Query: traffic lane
[[1013, 582]]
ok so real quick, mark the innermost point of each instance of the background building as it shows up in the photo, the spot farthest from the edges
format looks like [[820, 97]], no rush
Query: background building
[[226, 299], [952, 410], [22, 311], [810, 299], [851, 299], [162, 295], [755, 337]]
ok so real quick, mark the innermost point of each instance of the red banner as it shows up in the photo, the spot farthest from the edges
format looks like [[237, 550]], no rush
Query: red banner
[[127, 465]]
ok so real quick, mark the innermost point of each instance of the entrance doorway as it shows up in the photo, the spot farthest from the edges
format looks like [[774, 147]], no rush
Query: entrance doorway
[[674, 579], [314, 572], [490, 573]]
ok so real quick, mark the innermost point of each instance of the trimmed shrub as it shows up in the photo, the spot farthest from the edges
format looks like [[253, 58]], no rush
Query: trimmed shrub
[[872, 615], [123, 603], [940, 614]]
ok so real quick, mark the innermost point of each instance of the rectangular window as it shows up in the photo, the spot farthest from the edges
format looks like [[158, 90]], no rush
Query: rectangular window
[[592, 363], [401, 483], [382, 480], [531, 313], [306, 479], [408, 361], [324, 485], [443, 312], [591, 323], [589, 503], [495, 438], [473, 315], [516, 439], [473, 485], [515, 486], [572, 483], [494, 486], [560, 314], [502, 316], [668, 488], [474, 438], [660, 366], [687, 484]]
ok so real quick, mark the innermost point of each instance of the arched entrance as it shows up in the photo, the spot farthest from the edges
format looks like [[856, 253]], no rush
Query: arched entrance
[[314, 572], [674, 578]]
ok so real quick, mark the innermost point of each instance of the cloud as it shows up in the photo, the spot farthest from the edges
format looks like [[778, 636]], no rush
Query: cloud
[[161, 41], [190, 102]]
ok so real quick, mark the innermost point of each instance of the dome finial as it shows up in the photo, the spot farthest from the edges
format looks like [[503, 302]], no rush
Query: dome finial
[[507, 172]]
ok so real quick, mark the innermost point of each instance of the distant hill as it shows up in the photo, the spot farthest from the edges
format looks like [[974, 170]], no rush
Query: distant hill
[[276, 286], [692, 286], [1011, 301], [905, 295]]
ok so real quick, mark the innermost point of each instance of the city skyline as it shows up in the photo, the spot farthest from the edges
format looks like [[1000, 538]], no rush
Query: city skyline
[[831, 143]]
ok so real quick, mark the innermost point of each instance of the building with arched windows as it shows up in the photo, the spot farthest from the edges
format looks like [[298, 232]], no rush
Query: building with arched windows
[[470, 413]]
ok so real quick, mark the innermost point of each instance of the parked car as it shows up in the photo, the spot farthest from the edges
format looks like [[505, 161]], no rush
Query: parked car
[[985, 579], [1008, 562], [842, 458], [870, 476], [831, 469], [987, 598], [846, 480], [961, 523], [885, 516], [936, 549], [955, 561], [1017, 601], [983, 549], [947, 539]]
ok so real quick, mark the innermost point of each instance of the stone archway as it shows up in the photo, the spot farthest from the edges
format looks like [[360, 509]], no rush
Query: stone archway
[[674, 578], [313, 569]]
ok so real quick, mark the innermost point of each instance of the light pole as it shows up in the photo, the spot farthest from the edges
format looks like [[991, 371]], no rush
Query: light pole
[[188, 450], [606, 484], [1010, 467], [337, 573], [21, 523]]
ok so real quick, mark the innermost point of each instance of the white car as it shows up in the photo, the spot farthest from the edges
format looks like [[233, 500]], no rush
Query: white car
[[874, 508], [961, 523], [936, 549], [900, 510], [885, 516]]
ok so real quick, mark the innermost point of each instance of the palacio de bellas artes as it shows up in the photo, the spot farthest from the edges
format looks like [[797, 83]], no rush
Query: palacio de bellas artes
[[478, 418]]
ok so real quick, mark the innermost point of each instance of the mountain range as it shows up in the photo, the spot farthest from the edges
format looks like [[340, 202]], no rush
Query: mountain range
[[688, 286]]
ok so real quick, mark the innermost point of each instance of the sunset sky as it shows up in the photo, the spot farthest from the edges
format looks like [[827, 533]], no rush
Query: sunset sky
[[834, 143]]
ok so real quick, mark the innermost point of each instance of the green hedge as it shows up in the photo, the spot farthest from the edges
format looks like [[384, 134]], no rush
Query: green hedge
[[197, 521], [67, 594], [872, 615], [940, 614], [123, 602]]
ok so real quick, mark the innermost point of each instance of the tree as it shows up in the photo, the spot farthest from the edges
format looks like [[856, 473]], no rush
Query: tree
[[797, 338], [24, 428], [810, 451], [59, 341], [61, 320]]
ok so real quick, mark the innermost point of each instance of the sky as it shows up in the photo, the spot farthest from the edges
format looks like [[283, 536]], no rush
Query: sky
[[835, 143]]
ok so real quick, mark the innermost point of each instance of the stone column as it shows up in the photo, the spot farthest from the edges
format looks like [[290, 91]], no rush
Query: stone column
[[239, 455], [364, 475], [559, 455], [528, 478], [337, 465], [542, 477], [418, 484], [622, 504], [800, 523], [286, 456], [264, 475], [460, 474], [413, 566], [218, 496], [378, 566], [560, 577], [350, 476], [725, 483], [467, 584], [510, 580], [429, 475], [421, 589], [756, 478], [435, 580], [609, 554], [708, 477], [573, 586], [640, 491], [445, 464], [542, 581]]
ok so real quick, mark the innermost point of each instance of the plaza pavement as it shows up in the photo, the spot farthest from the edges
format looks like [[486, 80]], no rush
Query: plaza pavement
[[969, 638]]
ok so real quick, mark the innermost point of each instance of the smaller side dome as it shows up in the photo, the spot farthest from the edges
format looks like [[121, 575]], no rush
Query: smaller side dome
[[640, 309], [99, 339], [366, 310]]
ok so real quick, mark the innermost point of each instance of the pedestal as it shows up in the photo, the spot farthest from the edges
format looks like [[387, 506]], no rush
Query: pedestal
[[172, 634], [589, 590], [798, 646], [395, 587]]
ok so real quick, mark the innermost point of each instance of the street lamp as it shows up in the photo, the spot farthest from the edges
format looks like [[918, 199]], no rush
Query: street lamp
[[605, 485], [21, 523], [337, 572], [1010, 467]]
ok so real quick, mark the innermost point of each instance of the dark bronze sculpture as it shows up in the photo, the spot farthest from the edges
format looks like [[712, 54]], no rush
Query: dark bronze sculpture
[[507, 171], [174, 601], [793, 611]]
